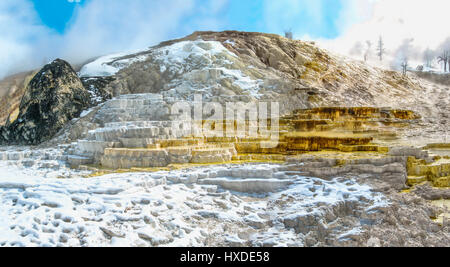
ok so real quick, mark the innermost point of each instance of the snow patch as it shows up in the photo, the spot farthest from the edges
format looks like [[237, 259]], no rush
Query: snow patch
[[109, 65], [145, 209], [230, 42], [181, 52]]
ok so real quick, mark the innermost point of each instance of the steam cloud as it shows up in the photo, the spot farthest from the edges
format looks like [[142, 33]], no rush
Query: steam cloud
[[409, 28]]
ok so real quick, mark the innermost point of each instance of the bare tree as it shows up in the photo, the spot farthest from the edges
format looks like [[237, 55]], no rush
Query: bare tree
[[288, 34], [404, 66], [428, 57], [368, 50], [444, 57], [380, 48]]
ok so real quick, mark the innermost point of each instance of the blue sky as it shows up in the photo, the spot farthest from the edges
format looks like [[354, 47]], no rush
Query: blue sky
[[252, 16], [35, 31], [55, 13], [245, 15]]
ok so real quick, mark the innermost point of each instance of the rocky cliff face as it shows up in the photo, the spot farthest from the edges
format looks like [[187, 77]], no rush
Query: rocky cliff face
[[52, 98], [97, 88]]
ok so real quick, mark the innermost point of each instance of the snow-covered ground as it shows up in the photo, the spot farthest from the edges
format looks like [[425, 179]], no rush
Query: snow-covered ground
[[174, 56], [191, 65], [147, 209]]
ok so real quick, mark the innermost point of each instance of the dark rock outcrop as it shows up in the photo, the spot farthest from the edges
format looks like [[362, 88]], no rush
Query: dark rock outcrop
[[97, 88], [3, 135], [53, 97]]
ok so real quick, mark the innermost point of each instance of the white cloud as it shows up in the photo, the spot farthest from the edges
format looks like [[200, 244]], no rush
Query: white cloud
[[20, 35], [97, 28], [104, 26]]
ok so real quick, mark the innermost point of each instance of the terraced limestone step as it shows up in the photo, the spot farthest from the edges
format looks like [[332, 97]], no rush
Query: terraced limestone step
[[415, 180], [138, 142], [114, 134], [442, 181], [363, 148], [179, 142], [48, 154], [389, 169], [355, 113], [260, 157], [382, 124], [250, 180], [261, 147], [130, 140], [139, 124], [140, 107], [90, 147], [75, 161], [133, 100], [39, 159], [307, 125], [125, 158], [320, 142], [212, 155], [439, 168], [248, 185], [438, 146], [7, 155], [437, 172]]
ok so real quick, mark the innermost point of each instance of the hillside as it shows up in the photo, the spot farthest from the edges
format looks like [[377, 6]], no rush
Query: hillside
[[253, 66], [250, 67], [11, 91], [278, 66]]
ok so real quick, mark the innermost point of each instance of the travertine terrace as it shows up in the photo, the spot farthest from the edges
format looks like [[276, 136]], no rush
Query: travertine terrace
[[356, 156]]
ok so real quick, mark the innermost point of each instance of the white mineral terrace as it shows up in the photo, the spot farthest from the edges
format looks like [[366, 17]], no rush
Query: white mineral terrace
[[44, 203]]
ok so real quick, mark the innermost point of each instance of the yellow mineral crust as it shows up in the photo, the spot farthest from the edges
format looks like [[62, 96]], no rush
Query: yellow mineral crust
[[437, 172], [320, 142], [344, 134], [438, 146]]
